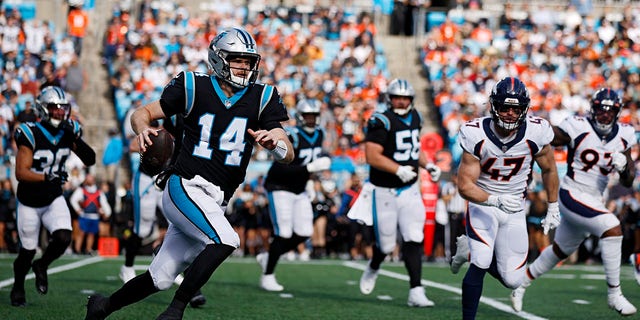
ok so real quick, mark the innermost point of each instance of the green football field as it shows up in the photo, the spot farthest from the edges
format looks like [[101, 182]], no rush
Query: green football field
[[321, 289]]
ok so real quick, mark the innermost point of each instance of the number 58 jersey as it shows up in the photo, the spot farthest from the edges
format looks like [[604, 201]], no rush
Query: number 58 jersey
[[589, 155], [505, 164]]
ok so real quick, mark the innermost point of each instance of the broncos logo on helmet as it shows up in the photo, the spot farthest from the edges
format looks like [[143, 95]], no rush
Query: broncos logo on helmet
[[605, 108], [232, 44], [509, 94], [53, 106]]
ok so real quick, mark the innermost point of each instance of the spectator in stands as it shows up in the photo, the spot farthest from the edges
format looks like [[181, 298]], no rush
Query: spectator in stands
[[77, 24]]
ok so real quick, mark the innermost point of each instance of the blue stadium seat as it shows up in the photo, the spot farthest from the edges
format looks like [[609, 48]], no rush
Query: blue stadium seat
[[435, 19]]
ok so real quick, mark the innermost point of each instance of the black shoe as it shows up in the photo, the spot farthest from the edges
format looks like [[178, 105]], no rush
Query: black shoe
[[198, 300], [18, 297], [170, 314], [97, 307], [42, 284]]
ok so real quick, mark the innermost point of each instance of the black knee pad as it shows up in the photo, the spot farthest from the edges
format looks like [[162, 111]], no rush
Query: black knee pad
[[61, 236]]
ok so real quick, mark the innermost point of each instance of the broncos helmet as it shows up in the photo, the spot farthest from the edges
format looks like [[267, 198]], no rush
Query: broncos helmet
[[53, 106], [509, 93], [605, 108], [400, 88], [230, 44], [308, 111]]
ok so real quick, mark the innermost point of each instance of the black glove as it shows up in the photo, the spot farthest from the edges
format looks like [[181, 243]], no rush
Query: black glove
[[59, 177], [69, 128]]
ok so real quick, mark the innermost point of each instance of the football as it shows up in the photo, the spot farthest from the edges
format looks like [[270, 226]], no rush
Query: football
[[157, 156]]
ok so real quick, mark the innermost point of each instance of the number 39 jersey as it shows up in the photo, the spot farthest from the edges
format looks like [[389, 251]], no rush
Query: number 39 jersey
[[505, 166], [589, 156], [51, 149], [399, 136], [216, 144]]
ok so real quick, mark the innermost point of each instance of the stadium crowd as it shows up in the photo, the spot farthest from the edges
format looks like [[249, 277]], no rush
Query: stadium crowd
[[331, 54]]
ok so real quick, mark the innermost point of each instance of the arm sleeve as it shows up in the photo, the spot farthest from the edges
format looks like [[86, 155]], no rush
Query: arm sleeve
[[377, 129], [104, 204], [75, 199], [173, 98], [272, 111]]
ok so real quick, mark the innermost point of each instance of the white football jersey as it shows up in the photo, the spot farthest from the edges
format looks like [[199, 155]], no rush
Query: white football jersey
[[589, 156], [505, 166]]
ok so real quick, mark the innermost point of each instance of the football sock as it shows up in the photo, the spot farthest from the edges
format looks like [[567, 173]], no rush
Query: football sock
[[611, 258], [21, 267], [131, 292], [276, 249], [199, 273], [378, 257], [545, 262], [131, 246], [412, 253], [60, 240], [472, 291]]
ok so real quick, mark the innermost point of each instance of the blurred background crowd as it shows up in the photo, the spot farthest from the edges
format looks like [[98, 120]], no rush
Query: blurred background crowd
[[330, 50]]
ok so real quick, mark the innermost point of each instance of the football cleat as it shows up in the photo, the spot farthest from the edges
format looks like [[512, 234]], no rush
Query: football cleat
[[462, 254], [368, 280], [42, 284], [18, 298], [417, 298], [198, 300], [171, 314], [126, 273], [516, 297], [262, 259], [97, 307], [619, 303], [635, 261], [268, 282]]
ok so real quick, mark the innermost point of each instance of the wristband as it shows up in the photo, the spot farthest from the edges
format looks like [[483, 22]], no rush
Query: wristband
[[280, 151]]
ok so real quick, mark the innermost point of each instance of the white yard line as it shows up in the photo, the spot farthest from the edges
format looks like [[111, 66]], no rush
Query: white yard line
[[58, 269], [488, 301]]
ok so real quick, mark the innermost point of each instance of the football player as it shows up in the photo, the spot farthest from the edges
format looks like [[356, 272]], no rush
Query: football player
[[43, 149], [498, 155], [599, 147], [392, 149], [224, 114], [289, 204]]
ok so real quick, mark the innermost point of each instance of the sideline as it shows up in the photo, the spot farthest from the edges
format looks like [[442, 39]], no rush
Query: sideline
[[58, 269], [488, 301]]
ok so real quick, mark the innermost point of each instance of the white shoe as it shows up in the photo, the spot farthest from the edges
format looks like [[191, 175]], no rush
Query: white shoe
[[262, 259], [268, 282], [417, 298], [305, 255], [516, 298], [619, 303], [127, 273], [635, 261], [290, 256], [368, 280], [462, 254]]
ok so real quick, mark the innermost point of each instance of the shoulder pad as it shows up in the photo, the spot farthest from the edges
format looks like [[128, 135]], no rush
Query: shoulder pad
[[379, 120]]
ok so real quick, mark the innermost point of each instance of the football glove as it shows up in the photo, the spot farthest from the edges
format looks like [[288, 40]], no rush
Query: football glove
[[508, 203], [320, 164], [434, 171], [406, 173], [552, 220], [69, 128], [59, 177], [619, 161]]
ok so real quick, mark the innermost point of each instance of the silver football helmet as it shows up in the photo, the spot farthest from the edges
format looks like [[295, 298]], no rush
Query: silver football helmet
[[308, 111], [53, 106], [402, 88], [231, 44]]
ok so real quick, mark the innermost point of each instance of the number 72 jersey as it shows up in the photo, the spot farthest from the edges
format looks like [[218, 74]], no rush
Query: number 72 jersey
[[505, 166]]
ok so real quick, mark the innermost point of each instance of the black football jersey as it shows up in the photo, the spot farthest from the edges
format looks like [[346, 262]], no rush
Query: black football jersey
[[293, 177], [51, 149], [215, 142], [400, 138]]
